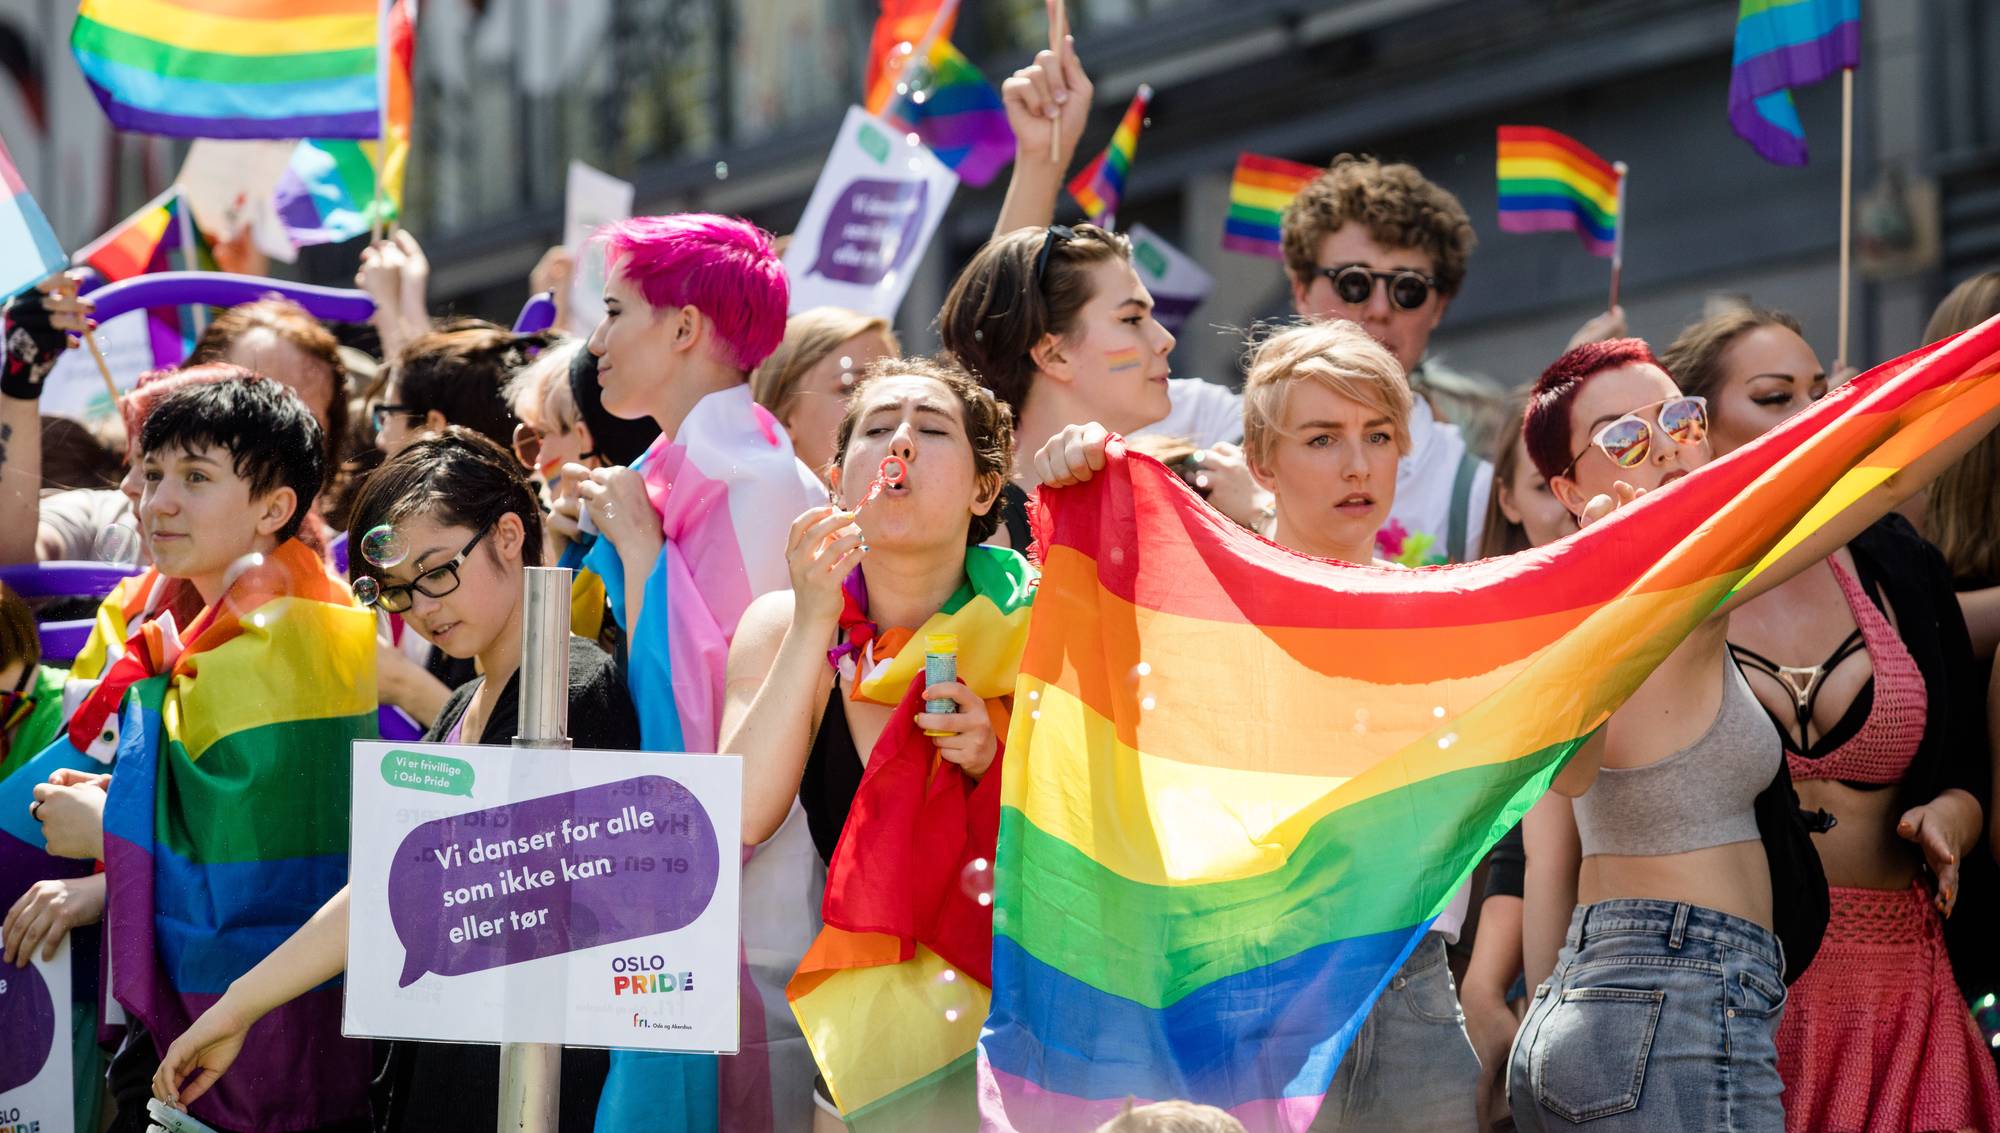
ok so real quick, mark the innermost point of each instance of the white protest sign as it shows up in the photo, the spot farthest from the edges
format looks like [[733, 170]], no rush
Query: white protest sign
[[75, 389], [517, 895], [592, 200], [1178, 284], [877, 204], [36, 1093]]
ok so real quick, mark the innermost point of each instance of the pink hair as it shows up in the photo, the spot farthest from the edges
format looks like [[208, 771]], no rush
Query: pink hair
[[724, 267]]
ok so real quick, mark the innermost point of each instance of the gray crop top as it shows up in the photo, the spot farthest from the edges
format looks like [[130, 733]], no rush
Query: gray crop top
[[1703, 795]]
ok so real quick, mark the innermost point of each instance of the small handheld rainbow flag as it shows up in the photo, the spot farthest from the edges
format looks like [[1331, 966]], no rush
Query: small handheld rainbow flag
[[1550, 182], [1781, 44], [138, 244], [240, 69], [1101, 185], [945, 100], [27, 244], [1259, 192]]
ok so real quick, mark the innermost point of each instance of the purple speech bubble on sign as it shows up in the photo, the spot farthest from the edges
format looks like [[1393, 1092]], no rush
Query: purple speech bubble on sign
[[551, 875], [871, 230], [27, 1026]]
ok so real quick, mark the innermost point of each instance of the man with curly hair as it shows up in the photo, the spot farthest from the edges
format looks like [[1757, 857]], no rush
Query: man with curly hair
[[1379, 245]]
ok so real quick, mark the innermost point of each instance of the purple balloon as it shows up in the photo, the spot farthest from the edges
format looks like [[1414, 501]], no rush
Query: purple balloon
[[222, 289], [28, 1024], [551, 875], [538, 313]]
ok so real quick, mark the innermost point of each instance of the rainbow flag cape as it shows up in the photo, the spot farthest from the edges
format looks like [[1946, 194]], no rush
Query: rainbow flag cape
[[28, 245], [1101, 185], [1551, 183], [226, 826], [1251, 779], [945, 100], [895, 989], [727, 488], [234, 68], [1259, 192], [1781, 44]]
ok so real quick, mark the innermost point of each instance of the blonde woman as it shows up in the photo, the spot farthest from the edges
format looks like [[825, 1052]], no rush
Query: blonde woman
[[806, 381]]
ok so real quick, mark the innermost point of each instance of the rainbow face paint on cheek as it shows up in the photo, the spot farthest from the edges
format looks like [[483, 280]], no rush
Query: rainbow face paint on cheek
[[1123, 361]]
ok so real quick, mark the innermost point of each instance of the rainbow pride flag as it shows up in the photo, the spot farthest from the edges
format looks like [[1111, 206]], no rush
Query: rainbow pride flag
[[1249, 780], [894, 990], [1259, 192], [1550, 182], [140, 244], [1781, 44], [328, 193], [233, 68], [726, 487], [28, 245], [1101, 185], [901, 25], [947, 103], [227, 821]]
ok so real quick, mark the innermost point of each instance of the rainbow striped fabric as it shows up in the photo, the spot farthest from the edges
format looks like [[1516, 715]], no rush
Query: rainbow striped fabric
[[1550, 182], [1259, 192], [234, 68], [141, 243], [727, 488], [900, 26], [947, 103], [894, 990], [1249, 780], [1101, 185], [328, 193], [1781, 44], [28, 246], [227, 821]]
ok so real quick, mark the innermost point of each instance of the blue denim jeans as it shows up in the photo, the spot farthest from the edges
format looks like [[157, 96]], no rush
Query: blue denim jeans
[[1659, 1016], [1411, 1066]]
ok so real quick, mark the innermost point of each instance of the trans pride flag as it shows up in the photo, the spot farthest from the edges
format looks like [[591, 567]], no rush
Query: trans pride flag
[[727, 489], [27, 243], [226, 826], [1250, 780], [1781, 44]]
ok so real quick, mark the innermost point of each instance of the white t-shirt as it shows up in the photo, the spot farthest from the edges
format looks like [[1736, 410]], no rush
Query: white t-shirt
[[1203, 411]]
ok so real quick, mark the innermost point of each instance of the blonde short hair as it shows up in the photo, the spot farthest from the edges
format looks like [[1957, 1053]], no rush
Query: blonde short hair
[[539, 393], [809, 337], [1172, 1117], [1337, 354]]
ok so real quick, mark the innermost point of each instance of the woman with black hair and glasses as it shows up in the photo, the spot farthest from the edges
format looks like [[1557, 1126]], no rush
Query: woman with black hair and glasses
[[1057, 324], [470, 524]]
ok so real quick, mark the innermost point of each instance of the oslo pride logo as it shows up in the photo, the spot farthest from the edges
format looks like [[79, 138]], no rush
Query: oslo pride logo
[[27, 1026]]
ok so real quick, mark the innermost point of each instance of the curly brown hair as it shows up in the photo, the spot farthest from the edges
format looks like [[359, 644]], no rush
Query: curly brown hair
[[997, 311], [989, 425], [1399, 207]]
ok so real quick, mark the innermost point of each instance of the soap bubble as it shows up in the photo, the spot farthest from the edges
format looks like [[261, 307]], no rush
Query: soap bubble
[[846, 363], [977, 881], [952, 997], [722, 171], [1148, 704], [367, 590], [905, 47], [1438, 712], [1446, 740], [116, 544], [1143, 668], [918, 97], [383, 547], [241, 567], [912, 139]]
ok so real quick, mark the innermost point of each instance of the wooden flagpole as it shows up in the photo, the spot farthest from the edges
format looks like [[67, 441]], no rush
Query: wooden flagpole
[[1846, 210], [1058, 30], [1618, 238]]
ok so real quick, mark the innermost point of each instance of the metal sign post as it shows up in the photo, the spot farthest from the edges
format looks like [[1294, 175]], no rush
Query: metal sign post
[[531, 1073]]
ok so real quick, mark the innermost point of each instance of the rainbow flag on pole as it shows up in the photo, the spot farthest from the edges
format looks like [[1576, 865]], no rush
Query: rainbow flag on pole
[[234, 68], [1259, 192], [947, 103], [27, 244], [226, 825], [1550, 182], [1781, 44], [1246, 781], [1101, 185], [901, 25]]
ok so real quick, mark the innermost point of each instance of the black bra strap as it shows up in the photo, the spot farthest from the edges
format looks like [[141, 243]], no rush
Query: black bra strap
[[1803, 699]]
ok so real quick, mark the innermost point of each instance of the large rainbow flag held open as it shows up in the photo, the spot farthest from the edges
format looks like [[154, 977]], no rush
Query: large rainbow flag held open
[[234, 68], [227, 821], [1247, 781]]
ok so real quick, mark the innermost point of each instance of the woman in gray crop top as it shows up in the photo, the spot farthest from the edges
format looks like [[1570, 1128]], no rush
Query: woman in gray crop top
[[1663, 1008]]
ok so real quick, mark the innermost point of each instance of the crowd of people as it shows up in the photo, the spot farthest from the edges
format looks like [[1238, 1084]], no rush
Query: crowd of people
[[748, 580]]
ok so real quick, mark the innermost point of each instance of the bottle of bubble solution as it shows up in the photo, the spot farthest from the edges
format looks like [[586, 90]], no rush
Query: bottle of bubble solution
[[940, 668]]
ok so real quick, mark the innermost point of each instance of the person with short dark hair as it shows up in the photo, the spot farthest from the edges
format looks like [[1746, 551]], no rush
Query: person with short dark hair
[[454, 375]]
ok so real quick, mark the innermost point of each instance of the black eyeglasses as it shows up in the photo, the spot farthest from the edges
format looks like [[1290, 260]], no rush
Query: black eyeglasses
[[1355, 283], [379, 415], [436, 582], [1056, 232]]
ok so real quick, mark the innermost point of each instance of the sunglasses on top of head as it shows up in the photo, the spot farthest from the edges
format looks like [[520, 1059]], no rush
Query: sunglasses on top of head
[[1355, 283], [1629, 439]]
